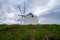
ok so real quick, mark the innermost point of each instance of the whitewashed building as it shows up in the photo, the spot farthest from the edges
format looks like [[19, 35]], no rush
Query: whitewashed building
[[31, 19]]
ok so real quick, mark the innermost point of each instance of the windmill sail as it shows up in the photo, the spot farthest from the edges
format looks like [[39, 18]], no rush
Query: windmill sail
[[24, 8], [19, 9], [22, 15]]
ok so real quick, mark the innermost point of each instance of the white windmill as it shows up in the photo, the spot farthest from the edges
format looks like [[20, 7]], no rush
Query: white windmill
[[29, 18]]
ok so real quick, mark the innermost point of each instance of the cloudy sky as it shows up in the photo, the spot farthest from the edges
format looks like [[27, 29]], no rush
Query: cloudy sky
[[47, 11]]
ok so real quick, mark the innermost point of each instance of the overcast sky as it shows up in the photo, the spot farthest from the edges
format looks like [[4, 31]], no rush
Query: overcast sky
[[48, 11]]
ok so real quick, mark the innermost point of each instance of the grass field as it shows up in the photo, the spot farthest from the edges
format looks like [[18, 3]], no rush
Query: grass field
[[30, 32]]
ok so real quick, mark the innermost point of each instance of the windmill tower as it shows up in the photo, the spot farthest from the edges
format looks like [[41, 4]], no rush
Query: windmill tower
[[29, 18]]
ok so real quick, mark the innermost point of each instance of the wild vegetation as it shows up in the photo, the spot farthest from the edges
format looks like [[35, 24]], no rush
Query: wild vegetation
[[30, 32]]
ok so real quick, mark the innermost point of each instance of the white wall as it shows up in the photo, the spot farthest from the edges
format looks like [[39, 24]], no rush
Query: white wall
[[30, 20]]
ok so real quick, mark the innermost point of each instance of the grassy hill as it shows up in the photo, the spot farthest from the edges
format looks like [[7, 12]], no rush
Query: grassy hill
[[30, 32]]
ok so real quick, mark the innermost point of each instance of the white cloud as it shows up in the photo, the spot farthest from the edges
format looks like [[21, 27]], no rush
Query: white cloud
[[9, 18], [41, 9], [37, 7]]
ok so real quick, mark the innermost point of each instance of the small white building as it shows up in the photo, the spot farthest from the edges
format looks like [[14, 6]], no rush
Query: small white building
[[31, 19]]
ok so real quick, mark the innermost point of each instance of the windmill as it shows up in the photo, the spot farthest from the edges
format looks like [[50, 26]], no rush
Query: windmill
[[27, 19]]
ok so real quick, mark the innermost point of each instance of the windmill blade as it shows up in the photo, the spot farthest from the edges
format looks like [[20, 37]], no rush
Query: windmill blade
[[22, 15], [24, 8], [20, 9]]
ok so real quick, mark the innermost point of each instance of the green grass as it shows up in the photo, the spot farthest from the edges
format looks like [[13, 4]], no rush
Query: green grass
[[19, 32]]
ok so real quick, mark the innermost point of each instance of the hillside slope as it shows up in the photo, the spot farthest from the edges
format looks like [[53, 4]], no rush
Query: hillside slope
[[30, 32]]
